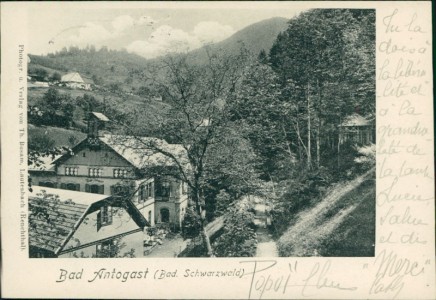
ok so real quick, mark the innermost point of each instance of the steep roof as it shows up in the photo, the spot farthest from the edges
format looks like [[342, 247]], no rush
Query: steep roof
[[141, 151], [87, 80], [356, 120], [66, 211], [72, 77], [100, 116], [138, 151]]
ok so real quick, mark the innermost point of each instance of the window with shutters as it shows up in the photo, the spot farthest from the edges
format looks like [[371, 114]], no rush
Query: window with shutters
[[72, 186], [71, 171], [145, 192], [142, 192], [47, 184], [95, 172], [94, 188], [105, 215], [149, 190]]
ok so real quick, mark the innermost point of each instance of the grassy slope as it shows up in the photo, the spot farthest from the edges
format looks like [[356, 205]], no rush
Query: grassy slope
[[61, 136], [111, 66], [343, 224], [128, 100], [355, 235]]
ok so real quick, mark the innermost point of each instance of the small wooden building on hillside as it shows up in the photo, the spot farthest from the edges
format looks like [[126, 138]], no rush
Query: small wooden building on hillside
[[75, 81], [357, 129]]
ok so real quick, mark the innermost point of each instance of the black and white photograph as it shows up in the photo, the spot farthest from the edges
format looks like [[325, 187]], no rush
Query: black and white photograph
[[201, 133], [217, 150]]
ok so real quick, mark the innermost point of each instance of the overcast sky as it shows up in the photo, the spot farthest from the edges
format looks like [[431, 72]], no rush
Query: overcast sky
[[149, 29]]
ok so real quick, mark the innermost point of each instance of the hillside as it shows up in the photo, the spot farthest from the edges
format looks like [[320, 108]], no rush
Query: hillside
[[256, 37], [110, 66], [342, 224], [111, 71], [103, 67], [58, 137]]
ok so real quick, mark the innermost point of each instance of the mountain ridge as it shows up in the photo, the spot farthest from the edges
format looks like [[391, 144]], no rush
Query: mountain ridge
[[116, 66], [255, 37]]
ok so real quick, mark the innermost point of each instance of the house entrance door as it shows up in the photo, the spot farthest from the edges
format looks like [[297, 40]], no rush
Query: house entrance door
[[164, 215]]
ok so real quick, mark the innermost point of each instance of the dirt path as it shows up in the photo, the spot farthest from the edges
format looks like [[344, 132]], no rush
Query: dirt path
[[266, 246], [309, 229]]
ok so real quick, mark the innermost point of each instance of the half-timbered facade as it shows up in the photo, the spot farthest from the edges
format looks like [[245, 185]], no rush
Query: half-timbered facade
[[113, 165]]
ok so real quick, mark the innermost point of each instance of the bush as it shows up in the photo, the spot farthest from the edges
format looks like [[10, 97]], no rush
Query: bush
[[223, 201], [366, 157], [56, 77], [195, 248], [54, 109], [39, 74], [191, 225], [40, 142], [239, 237]]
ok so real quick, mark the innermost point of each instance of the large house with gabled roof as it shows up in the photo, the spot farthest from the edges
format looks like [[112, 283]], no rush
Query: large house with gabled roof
[[114, 165], [65, 223]]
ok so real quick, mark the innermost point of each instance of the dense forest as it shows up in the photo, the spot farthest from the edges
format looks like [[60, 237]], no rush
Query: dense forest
[[265, 125]]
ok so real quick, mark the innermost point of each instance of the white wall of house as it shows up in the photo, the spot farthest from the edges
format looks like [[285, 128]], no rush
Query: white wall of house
[[106, 160], [134, 240], [145, 201], [176, 203], [89, 233], [103, 157]]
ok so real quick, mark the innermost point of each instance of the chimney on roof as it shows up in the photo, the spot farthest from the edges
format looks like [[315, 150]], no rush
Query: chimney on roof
[[96, 124]]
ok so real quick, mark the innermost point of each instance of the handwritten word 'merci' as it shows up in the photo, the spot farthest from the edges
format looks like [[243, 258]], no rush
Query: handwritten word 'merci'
[[391, 272], [317, 279]]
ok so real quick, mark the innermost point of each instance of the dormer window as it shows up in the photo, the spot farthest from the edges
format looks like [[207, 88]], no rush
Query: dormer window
[[120, 173], [106, 215], [71, 171], [95, 172]]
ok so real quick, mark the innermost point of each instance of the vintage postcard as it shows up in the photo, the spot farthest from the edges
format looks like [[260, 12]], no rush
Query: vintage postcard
[[217, 150]]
